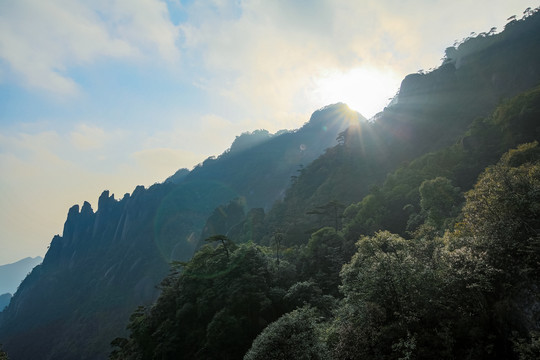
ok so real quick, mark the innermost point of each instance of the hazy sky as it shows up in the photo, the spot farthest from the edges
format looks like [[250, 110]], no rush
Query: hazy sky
[[109, 94]]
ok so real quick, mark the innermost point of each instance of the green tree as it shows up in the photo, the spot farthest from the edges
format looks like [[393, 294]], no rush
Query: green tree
[[225, 242], [295, 335], [367, 216], [212, 309], [495, 250], [440, 202], [502, 215], [323, 257], [394, 305]]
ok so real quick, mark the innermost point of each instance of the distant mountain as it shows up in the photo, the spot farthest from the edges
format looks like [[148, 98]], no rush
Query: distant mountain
[[12, 274], [109, 261], [4, 300]]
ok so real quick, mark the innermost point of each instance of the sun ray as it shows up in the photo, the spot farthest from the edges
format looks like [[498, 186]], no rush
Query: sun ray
[[365, 89]]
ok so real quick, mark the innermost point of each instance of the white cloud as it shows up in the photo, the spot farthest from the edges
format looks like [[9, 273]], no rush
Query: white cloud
[[145, 24], [42, 40]]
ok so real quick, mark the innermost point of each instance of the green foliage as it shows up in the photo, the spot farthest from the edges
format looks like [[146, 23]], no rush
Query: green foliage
[[323, 257], [495, 249], [367, 216], [394, 304], [309, 293], [295, 335], [329, 213], [458, 297], [502, 214], [226, 244], [214, 308]]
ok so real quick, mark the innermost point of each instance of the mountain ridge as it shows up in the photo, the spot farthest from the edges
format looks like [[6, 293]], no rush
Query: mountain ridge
[[108, 262]]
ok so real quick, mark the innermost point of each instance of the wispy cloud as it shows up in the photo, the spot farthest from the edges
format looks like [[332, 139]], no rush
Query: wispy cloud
[[42, 40]]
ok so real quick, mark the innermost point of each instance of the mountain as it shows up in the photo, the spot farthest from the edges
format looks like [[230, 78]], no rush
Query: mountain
[[12, 274], [109, 261], [284, 272]]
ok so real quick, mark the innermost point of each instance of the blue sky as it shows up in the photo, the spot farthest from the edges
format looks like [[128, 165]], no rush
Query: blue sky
[[110, 94]]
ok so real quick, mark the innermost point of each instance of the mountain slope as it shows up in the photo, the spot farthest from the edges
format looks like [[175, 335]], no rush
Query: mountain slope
[[432, 111], [108, 262]]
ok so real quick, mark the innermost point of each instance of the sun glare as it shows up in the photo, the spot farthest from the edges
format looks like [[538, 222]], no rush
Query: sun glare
[[366, 90]]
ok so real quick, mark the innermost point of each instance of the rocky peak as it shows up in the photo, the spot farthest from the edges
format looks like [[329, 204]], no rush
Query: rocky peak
[[105, 201], [87, 209]]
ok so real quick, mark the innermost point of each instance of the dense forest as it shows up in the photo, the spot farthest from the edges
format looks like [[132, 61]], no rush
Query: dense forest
[[462, 282], [411, 236]]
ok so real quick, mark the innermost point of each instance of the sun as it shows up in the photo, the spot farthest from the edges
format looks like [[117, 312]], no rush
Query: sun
[[366, 90]]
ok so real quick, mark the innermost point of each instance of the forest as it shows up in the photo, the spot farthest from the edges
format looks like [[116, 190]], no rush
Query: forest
[[461, 281], [415, 235]]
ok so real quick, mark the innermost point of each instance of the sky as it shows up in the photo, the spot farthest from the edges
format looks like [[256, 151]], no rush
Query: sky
[[111, 94]]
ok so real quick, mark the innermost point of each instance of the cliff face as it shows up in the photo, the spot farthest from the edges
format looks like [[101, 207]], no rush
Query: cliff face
[[474, 78], [108, 262], [103, 266]]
